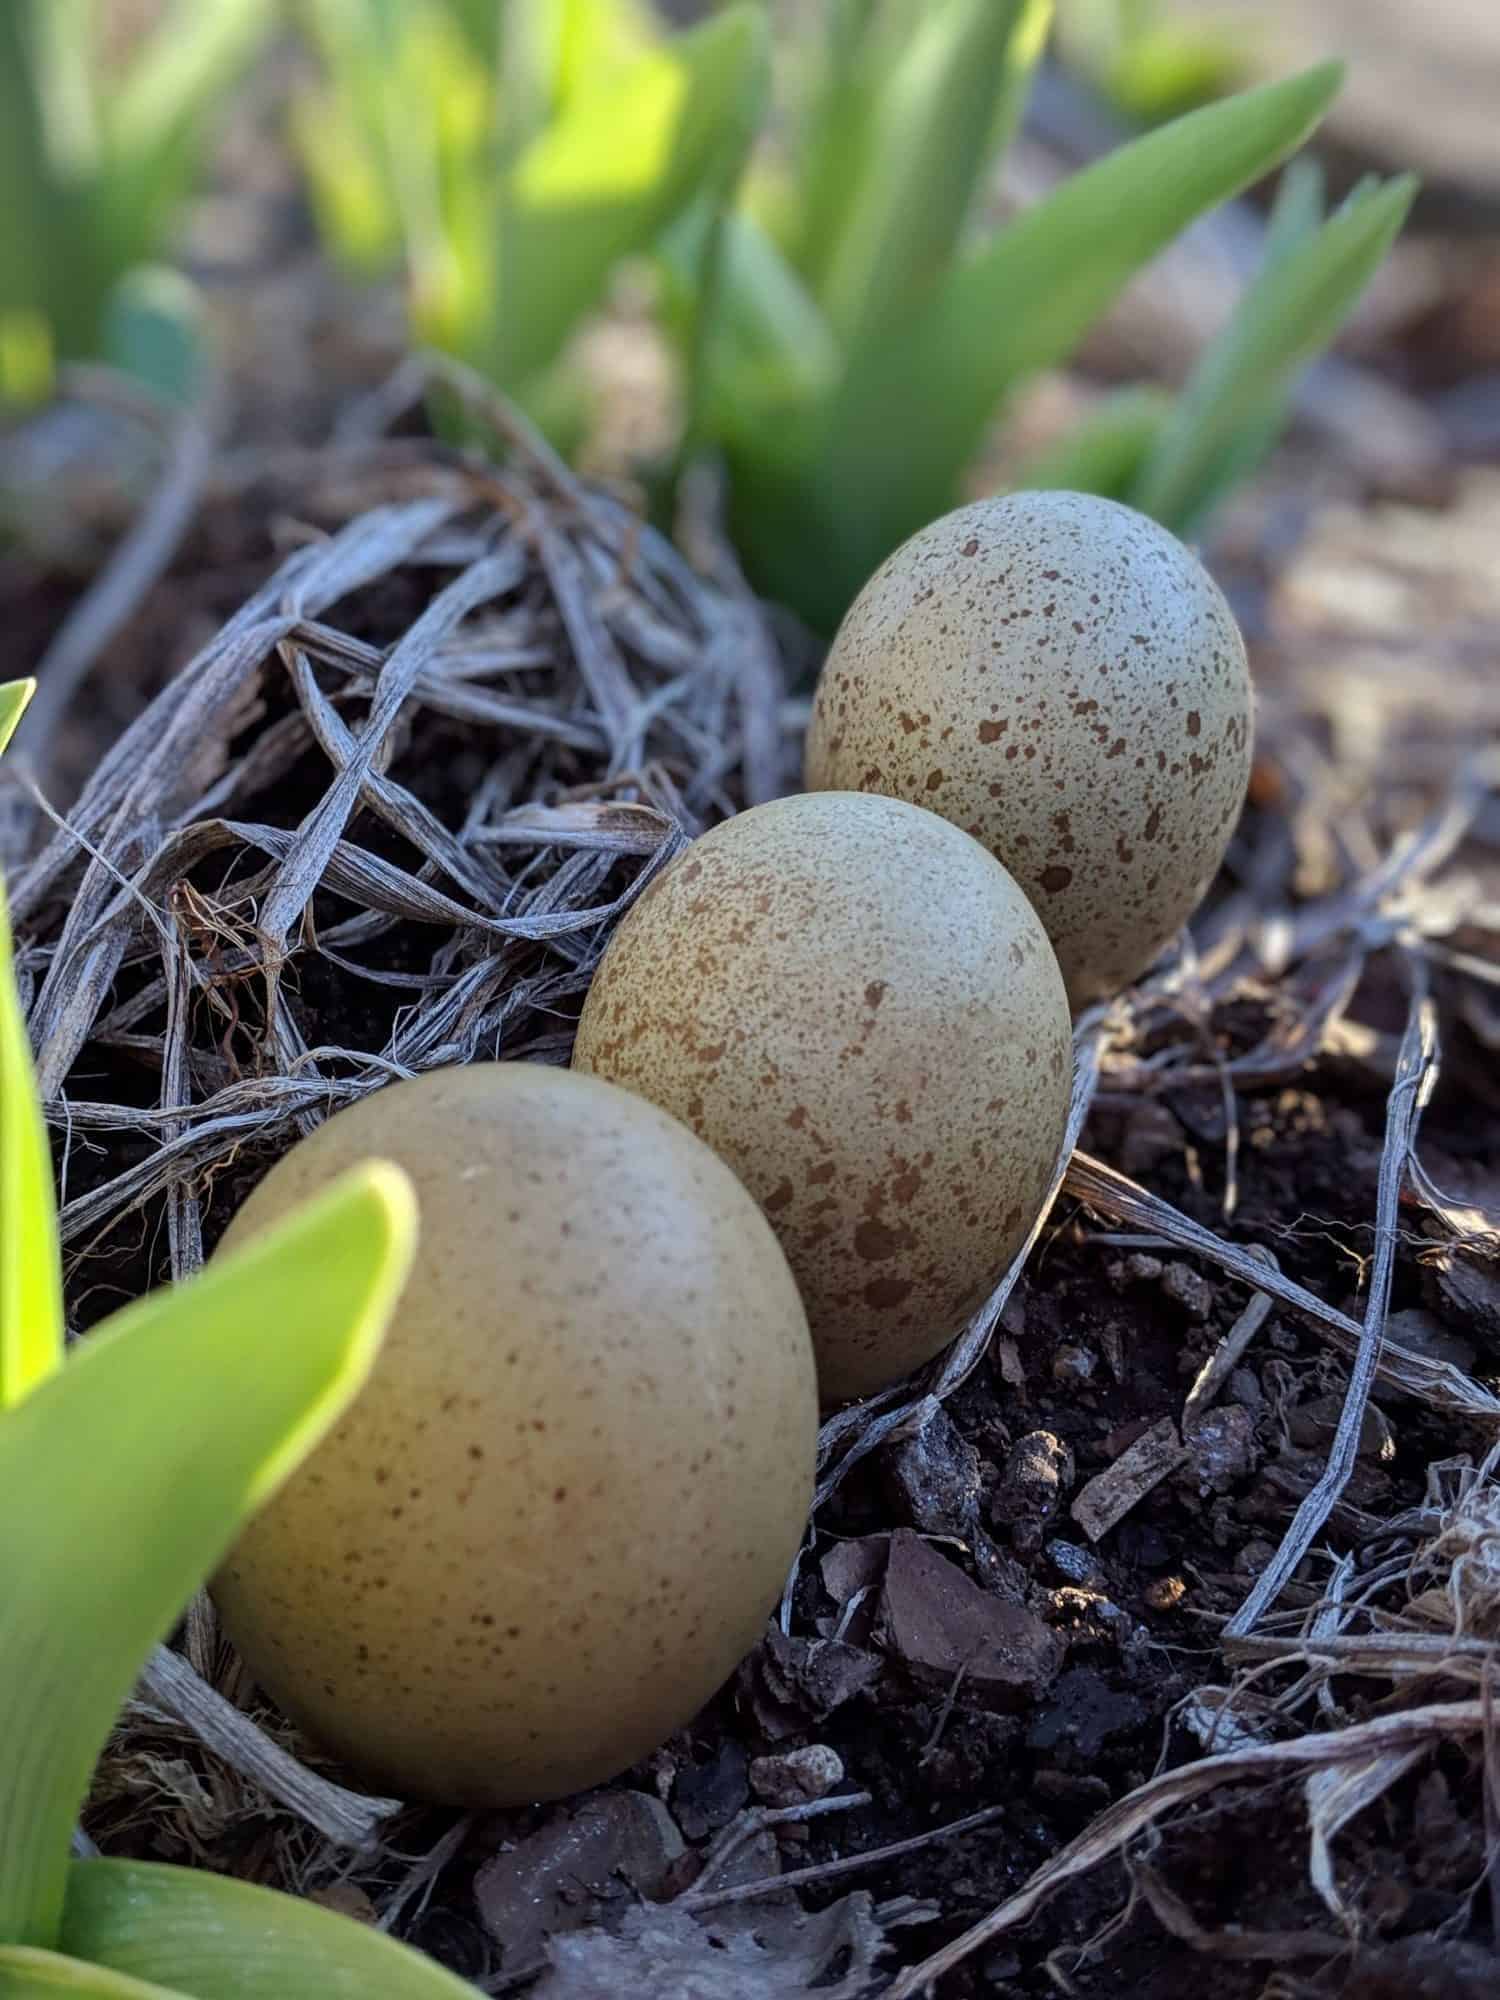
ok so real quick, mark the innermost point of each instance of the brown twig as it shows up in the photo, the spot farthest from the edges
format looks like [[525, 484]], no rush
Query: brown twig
[[825, 1871], [1415, 1076], [1118, 1824]]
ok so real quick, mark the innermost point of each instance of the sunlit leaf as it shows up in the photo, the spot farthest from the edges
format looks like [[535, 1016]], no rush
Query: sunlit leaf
[[346, 183], [603, 181], [139, 1460], [1287, 316], [565, 46], [28, 1974], [216, 1939], [31, 1308], [14, 695]]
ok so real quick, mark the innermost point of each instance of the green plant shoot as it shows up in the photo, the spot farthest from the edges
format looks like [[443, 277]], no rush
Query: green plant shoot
[[1176, 457], [140, 1452], [14, 696], [868, 328]]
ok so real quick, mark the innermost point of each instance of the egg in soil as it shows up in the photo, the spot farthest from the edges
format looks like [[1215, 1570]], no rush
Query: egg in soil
[[854, 1004], [1061, 677], [556, 1517]]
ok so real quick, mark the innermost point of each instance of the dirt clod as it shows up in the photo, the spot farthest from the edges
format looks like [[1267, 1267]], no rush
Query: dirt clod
[[940, 1625], [793, 1776]]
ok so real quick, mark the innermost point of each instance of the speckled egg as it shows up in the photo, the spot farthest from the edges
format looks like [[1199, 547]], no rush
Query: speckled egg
[[556, 1517], [854, 1004], [1060, 676]]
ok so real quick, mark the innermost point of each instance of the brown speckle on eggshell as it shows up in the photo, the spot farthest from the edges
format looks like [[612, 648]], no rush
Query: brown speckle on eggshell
[[556, 1517], [854, 1004], [1087, 684]]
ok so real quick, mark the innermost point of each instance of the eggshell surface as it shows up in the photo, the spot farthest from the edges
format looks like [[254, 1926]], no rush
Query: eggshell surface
[[558, 1514], [1058, 675], [854, 1004]]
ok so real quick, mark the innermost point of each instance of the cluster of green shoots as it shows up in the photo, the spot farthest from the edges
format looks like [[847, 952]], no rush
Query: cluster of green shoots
[[131, 1460], [816, 207]]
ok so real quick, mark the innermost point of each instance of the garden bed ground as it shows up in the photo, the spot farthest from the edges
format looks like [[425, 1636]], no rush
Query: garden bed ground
[[957, 1636], [966, 1635]]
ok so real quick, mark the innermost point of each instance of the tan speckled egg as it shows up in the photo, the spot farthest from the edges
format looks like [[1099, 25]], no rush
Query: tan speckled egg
[[1061, 677], [854, 1004], [556, 1517]]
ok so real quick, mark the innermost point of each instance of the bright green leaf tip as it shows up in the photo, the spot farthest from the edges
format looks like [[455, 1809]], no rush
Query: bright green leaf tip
[[373, 1206], [31, 1307], [29, 1974], [242, 1371], [215, 1938], [14, 697]]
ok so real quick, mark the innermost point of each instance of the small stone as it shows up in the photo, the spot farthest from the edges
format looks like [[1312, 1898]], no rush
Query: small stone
[[1424, 1333], [1313, 1424], [793, 1777], [1189, 1289], [1255, 1556], [1244, 1387], [1083, 1790], [1222, 1449], [1084, 1615], [1073, 1365], [1469, 1290], [789, 1681], [940, 1624], [1077, 1566], [1082, 1715], [1165, 1593], [1037, 1479], [933, 1477], [1139, 1268]]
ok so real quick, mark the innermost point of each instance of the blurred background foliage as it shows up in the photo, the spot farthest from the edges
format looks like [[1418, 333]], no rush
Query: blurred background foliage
[[797, 207]]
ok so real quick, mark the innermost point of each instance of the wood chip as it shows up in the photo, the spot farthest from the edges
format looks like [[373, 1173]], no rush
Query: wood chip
[[1110, 1495]]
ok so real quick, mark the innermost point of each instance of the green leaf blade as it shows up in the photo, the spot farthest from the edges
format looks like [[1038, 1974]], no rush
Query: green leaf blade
[[216, 1939], [932, 129], [1290, 312], [915, 402], [141, 1459], [28, 1974], [31, 1306]]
